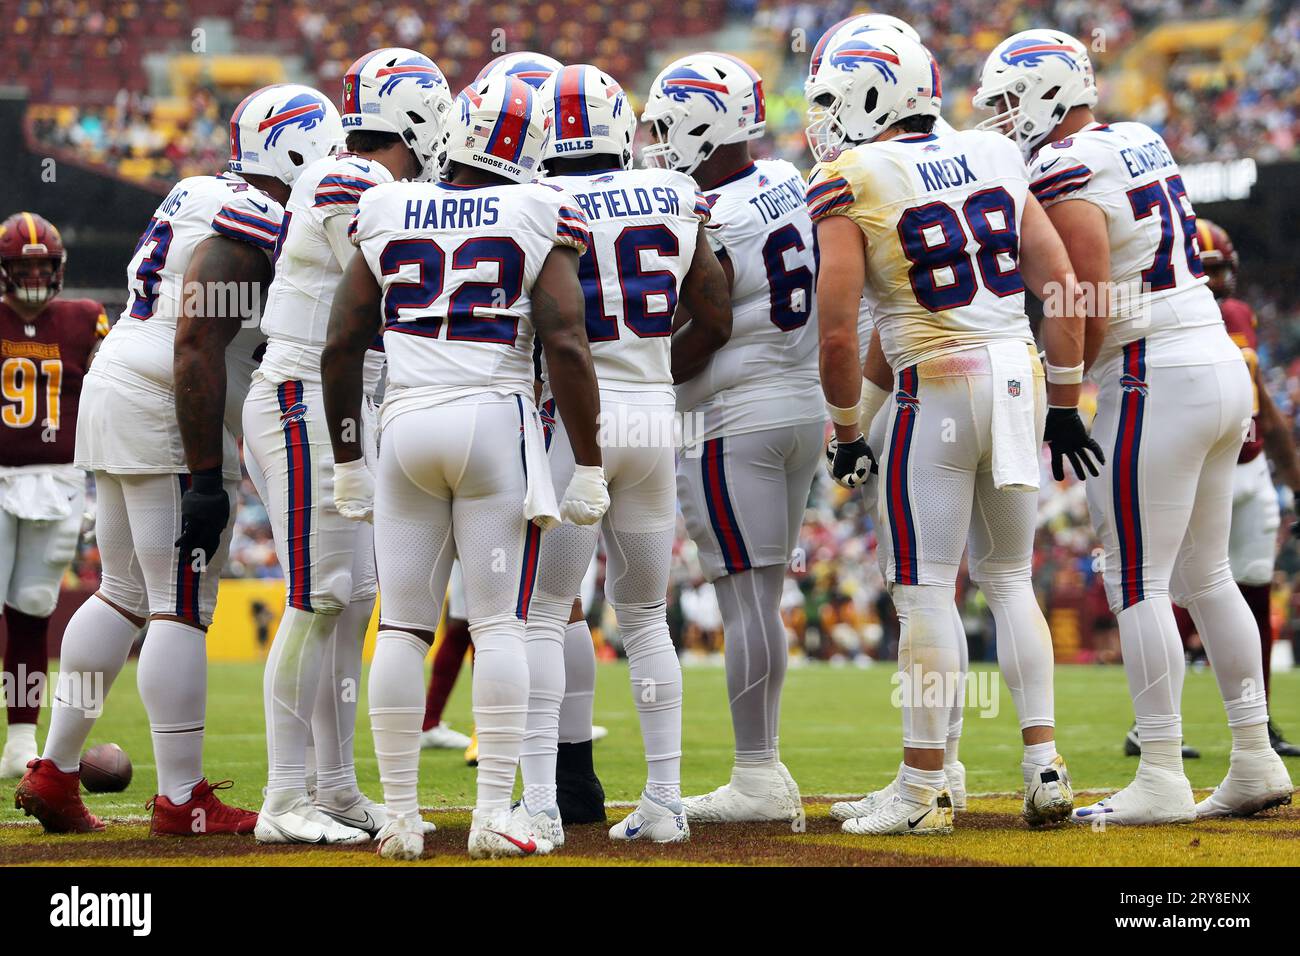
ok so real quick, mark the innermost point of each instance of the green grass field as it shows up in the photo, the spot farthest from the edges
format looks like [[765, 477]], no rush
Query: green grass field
[[840, 735]]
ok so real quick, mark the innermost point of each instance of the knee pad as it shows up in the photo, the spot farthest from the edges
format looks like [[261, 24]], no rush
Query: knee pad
[[126, 595], [35, 600], [922, 598], [929, 637], [549, 609], [643, 626], [1255, 573]]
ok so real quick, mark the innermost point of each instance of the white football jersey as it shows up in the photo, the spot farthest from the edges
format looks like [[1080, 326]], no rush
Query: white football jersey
[[761, 226], [307, 270], [457, 265], [136, 357], [1155, 266], [941, 216], [644, 223]]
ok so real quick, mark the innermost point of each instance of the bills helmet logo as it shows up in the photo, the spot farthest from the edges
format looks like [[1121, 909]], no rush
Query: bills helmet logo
[[531, 72], [1131, 383], [417, 68], [850, 56], [303, 111], [684, 82], [1032, 51]]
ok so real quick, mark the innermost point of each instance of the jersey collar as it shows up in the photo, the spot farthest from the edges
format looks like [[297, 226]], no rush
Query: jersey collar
[[735, 177]]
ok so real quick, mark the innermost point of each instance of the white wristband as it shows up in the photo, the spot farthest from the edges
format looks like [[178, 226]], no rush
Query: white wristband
[[1064, 374], [843, 416]]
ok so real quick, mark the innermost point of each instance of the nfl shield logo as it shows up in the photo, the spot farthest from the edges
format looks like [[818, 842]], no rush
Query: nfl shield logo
[[1013, 387]]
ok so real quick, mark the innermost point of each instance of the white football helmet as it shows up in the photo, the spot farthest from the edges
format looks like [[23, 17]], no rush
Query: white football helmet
[[852, 26], [590, 115], [279, 130], [532, 68], [864, 85], [498, 125], [1031, 80], [395, 90], [699, 103]]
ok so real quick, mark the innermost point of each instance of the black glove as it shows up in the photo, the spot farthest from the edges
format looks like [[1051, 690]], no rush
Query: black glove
[[1068, 438], [850, 462], [205, 509]]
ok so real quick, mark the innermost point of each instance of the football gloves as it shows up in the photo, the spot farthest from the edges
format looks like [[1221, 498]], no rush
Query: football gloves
[[587, 497], [1068, 438], [850, 463], [354, 490], [205, 510]]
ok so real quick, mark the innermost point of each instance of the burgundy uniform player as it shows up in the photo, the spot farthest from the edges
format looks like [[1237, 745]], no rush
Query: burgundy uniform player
[[45, 348]]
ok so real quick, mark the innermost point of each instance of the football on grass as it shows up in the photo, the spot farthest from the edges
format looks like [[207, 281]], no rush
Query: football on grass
[[105, 768]]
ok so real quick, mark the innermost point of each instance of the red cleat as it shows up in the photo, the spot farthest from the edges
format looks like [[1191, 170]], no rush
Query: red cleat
[[54, 798], [201, 815]]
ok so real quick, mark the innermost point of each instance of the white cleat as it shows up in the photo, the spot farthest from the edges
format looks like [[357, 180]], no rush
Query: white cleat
[[1256, 781], [754, 795], [17, 755], [300, 822], [956, 774], [1049, 798], [791, 787], [653, 821], [443, 737], [352, 808], [401, 838], [1155, 796], [502, 834], [544, 823], [852, 809], [895, 816]]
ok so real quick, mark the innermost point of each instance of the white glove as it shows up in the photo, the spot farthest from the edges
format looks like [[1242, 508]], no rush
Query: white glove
[[354, 490], [587, 497]]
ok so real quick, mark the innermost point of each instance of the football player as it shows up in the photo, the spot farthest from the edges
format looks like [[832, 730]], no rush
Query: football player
[[744, 487], [945, 233], [462, 274], [159, 428], [646, 254], [45, 348], [1173, 407], [1252, 534], [395, 102]]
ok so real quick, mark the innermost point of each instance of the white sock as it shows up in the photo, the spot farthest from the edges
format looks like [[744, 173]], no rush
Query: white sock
[[1248, 738], [579, 684], [927, 651], [172, 677], [1025, 655], [950, 750], [544, 644], [1162, 754], [96, 644], [334, 719], [656, 677], [289, 685], [912, 782], [1231, 638], [500, 707], [1037, 755], [396, 712], [1154, 664], [22, 736], [958, 706]]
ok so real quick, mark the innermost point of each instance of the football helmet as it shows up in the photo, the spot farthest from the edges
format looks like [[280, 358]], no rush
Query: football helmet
[[395, 90], [279, 130], [852, 26], [1218, 256], [865, 84], [1030, 81], [532, 68], [497, 125], [590, 115], [32, 258], [699, 103]]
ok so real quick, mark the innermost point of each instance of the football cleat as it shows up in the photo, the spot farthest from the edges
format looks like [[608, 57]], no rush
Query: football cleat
[[502, 834], [54, 798], [852, 809], [754, 795], [18, 753], [1256, 781], [956, 774], [791, 787], [546, 824], [352, 808], [401, 838], [1155, 796], [201, 815], [298, 821], [471, 750], [578, 793], [443, 737], [1049, 797], [652, 820], [1279, 743], [896, 816]]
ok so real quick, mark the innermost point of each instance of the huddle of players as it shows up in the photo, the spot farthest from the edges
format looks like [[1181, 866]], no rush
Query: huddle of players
[[701, 275]]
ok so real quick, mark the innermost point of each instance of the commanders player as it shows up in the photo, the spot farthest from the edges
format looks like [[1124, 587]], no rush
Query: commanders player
[[943, 230], [1173, 407], [159, 428], [395, 102], [462, 273], [744, 488], [45, 348]]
